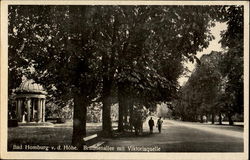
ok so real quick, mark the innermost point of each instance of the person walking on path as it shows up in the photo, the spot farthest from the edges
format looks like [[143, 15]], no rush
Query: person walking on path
[[151, 124], [159, 124]]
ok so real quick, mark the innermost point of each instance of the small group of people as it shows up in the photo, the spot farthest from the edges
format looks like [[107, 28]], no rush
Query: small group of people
[[151, 124]]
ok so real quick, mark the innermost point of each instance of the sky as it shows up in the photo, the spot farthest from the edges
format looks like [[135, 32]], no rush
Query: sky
[[214, 45]]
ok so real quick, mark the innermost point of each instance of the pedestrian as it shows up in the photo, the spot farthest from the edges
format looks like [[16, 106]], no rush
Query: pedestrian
[[159, 124], [151, 124]]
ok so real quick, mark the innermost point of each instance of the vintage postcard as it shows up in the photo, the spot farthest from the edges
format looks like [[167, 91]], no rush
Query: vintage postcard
[[124, 79]]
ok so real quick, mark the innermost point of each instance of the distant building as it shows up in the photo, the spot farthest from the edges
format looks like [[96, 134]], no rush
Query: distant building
[[30, 102]]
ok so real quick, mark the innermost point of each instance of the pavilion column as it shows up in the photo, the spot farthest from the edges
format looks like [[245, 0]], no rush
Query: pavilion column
[[43, 107], [23, 110], [28, 109], [39, 110], [19, 110], [33, 110]]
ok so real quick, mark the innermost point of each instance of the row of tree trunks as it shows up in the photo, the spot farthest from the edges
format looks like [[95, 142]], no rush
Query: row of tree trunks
[[80, 111], [229, 116], [81, 102], [125, 107]]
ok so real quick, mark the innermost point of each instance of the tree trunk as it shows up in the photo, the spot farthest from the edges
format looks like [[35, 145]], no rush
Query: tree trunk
[[131, 114], [79, 120], [106, 118], [195, 119], [212, 118], [122, 103], [125, 117], [125, 110], [220, 119], [206, 120], [230, 119], [201, 119]]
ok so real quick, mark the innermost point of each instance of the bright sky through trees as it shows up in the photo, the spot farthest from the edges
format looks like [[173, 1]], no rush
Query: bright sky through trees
[[213, 46]]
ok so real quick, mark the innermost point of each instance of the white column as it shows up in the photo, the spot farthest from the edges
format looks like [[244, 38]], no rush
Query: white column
[[19, 110], [28, 109], [38, 110], [43, 107], [41, 110], [41, 113], [33, 109], [16, 107], [23, 105]]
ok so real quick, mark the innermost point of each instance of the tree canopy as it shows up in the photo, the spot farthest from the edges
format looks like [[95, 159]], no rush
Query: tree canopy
[[216, 85]]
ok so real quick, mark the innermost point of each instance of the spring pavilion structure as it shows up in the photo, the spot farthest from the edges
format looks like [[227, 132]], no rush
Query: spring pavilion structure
[[30, 102]]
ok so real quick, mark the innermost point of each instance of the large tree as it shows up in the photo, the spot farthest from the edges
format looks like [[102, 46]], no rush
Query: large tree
[[232, 64], [56, 44], [201, 92]]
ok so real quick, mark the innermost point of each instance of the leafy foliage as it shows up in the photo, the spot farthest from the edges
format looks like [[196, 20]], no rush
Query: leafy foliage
[[199, 95], [216, 85]]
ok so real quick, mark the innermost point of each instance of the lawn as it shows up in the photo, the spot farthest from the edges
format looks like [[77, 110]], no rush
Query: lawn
[[58, 134]]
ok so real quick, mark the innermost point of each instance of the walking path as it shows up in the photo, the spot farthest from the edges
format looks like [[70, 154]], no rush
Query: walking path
[[232, 131], [179, 136]]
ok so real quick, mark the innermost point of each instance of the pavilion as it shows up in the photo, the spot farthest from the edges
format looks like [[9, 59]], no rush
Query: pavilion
[[30, 102]]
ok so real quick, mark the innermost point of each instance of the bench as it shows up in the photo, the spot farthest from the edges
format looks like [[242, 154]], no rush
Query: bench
[[96, 145], [91, 141], [89, 137]]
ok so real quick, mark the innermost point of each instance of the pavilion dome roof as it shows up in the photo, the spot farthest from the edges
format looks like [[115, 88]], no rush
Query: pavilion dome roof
[[29, 86]]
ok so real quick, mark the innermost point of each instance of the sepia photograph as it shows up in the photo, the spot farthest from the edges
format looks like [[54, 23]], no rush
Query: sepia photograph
[[137, 79]]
